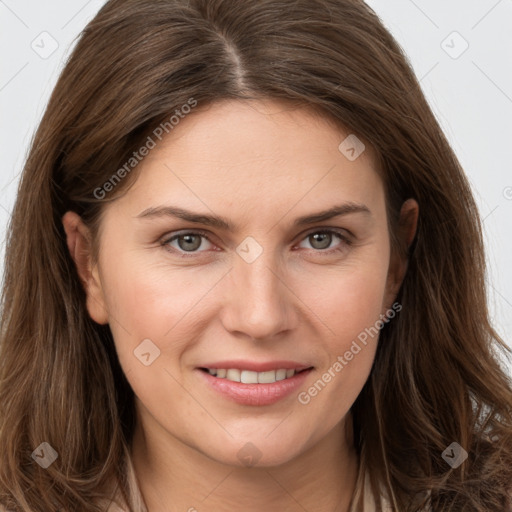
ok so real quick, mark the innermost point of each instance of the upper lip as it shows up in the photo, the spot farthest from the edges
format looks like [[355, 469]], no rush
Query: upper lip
[[257, 366]]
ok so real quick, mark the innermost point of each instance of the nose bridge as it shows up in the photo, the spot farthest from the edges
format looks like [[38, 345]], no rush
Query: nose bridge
[[259, 300]]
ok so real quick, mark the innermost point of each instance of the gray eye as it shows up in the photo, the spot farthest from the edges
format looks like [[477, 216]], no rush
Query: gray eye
[[320, 240], [189, 242]]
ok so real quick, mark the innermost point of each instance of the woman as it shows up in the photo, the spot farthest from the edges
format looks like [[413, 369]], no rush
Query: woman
[[245, 270]]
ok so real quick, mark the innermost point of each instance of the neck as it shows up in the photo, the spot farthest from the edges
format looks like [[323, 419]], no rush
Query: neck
[[322, 478]]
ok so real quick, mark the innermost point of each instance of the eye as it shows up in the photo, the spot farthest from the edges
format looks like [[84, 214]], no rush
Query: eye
[[321, 240], [189, 241]]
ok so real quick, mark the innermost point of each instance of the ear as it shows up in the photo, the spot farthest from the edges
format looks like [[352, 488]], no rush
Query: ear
[[79, 245], [407, 227]]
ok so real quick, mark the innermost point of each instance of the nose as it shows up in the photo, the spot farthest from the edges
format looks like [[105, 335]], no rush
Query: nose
[[259, 302]]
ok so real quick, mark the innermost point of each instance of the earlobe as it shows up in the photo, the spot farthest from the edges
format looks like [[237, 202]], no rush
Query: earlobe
[[79, 245]]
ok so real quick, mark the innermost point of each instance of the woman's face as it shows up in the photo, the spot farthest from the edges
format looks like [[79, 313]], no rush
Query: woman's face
[[273, 291]]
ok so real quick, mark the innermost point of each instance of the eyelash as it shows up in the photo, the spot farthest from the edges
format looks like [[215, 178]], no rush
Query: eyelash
[[339, 233]]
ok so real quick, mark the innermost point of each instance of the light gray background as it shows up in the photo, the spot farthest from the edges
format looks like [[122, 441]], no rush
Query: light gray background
[[469, 91]]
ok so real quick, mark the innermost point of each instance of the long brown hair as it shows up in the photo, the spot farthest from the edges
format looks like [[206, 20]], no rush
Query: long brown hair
[[437, 376]]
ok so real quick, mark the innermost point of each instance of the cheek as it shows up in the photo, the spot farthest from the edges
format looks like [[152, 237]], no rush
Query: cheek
[[349, 305], [155, 302], [350, 298], [358, 301], [153, 313]]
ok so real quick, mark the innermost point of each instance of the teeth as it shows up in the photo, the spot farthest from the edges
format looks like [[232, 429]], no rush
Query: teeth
[[233, 375], [266, 377], [280, 374], [249, 377]]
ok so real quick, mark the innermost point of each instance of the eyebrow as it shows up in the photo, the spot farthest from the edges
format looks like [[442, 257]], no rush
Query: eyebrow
[[222, 223]]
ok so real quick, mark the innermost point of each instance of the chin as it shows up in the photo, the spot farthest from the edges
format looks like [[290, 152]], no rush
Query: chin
[[258, 453]]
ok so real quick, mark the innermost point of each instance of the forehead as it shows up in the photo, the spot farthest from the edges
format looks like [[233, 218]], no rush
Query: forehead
[[255, 155]]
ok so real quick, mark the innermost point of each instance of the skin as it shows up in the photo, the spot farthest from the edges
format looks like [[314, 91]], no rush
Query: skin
[[259, 164]]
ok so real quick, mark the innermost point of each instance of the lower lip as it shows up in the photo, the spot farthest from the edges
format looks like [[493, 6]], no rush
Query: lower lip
[[256, 394]]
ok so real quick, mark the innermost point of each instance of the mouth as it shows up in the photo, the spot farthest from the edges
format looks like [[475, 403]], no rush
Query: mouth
[[252, 377], [254, 388]]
